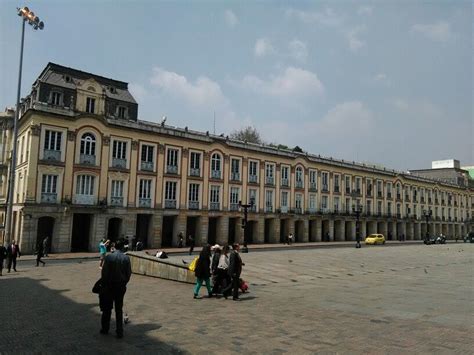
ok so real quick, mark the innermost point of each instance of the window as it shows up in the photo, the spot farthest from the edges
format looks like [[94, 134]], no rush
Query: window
[[284, 174], [85, 185], [117, 188], [347, 183], [299, 203], [195, 164], [194, 193], [88, 144], [52, 140], [379, 188], [216, 163], [313, 179], [284, 199], [90, 105], [348, 205], [369, 206], [324, 203], [253, 197], [215, 194], [253, 171], [269, 168], [312, 202], [369, 187], [122, 112], [144, 189], [358, 185], [22, 146], [56, 98], [336, 183], [119, 150], [299, 175], [336, 204], [325, 181], [172, 158], [379, 207], [234, 195], [269, 200], [389, 208], [147, 153], [235, 166], [49, 184], [170, 190]]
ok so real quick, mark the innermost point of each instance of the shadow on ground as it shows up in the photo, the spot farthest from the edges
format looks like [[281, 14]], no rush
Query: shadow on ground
[[41, 320]]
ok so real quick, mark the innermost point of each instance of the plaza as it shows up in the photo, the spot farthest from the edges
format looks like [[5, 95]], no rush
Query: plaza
[[404, 299]]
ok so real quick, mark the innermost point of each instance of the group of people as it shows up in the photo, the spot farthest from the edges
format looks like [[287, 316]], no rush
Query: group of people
[[12, 252], [225, 267]]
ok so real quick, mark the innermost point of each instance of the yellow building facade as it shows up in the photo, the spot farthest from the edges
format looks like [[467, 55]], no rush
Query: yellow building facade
[[88, 169]]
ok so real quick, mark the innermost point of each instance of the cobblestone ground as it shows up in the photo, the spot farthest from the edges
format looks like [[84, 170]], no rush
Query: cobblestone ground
[[410, 299]]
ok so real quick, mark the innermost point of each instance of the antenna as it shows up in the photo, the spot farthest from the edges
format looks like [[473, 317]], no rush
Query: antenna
[[214, 122]]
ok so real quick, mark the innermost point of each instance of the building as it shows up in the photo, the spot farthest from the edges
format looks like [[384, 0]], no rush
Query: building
[[88, 168], [448, 171]]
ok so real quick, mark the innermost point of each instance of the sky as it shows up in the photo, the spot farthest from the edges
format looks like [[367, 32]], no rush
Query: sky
[[383, 82]]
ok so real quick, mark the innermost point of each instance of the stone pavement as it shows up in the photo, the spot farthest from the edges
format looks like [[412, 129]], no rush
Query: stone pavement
[[415, 299]]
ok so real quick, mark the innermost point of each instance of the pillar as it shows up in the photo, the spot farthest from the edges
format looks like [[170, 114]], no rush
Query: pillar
[[353, 230], [222, 230], [202, 227], [394, 231], [331, 230], [155, 237], [410, 230], [363, 229], [239, 231], [319, 229], [384, 229], [259, 230], [275, 231], [305, 230], [418, 231]]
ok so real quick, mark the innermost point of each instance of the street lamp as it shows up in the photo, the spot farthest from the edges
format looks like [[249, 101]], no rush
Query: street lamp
[[427, 214], [33, 20], [357, 210], [244, 221]]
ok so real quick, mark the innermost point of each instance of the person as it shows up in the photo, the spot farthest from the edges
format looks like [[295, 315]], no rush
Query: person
[[222, 279], [139, 246], [161, 254], [358, 241], [191, 244], [116, 274], [103, 250], [180, 240], [39, 254], [134, 243], [127, 244], [216, 249], [245, 248], [13, 252], [290, 239], [234, 271], [46, 246], [3, 255], [203, 271], [327, 236]]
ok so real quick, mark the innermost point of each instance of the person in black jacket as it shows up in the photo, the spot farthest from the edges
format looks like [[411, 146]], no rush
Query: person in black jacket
[[203, 271], [3, 255], [234, 271], [13, 251], [40, 254]]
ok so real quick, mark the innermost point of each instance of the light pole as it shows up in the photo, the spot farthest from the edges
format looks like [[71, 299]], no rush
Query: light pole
[[244, 221], [357, 210], [33, 20], [427, 214]]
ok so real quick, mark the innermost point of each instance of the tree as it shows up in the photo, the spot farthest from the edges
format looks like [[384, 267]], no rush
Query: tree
[[249, 134], [298, 149]]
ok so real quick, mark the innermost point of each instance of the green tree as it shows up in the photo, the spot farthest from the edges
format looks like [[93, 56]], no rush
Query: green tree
[[249, 134]]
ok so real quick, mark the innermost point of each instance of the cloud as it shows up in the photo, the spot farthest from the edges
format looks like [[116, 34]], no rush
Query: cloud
[[382, 78], [365, 10], [293, 82], [263, 47], [355, 43], [203, 92], [326, 18], [440, 31], [298, 50], [230, 18], [138, 91]]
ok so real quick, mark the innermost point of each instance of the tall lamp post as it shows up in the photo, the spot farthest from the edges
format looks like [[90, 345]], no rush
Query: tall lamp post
[[33, 20], [427, 214], [357, 210], [244, 221]]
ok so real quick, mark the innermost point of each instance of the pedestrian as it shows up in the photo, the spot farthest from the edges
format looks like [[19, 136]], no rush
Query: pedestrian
[[203, 271], [234, 271], [103, 250], [139, 245], [216, 249], [116, 273], [358, 241], [3, 255], [191, 244], [134, 243], [180, 240], [13, 252], [46, 246], [327, 236], [290, 239], [39, 254], [222, 279]]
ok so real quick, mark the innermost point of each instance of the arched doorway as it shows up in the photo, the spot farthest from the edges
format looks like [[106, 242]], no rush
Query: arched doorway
[[45, 229], [114, 229]]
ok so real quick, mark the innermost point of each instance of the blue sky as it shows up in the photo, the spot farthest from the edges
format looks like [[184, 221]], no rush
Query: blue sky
[[381, 82]]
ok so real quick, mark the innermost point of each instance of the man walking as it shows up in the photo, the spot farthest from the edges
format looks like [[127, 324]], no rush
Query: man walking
[[234, 270], [46, 246], [39, 254], [116, 273], [191, 244], [13, 251], [3, 255]]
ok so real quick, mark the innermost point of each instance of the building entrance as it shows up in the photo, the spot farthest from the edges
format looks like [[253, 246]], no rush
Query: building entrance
[[142, 230], [45, 229], [81, 229], [114, 229], [167, 231]]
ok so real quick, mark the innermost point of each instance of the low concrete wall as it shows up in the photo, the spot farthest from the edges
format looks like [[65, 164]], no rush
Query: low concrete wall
[[148, 265]]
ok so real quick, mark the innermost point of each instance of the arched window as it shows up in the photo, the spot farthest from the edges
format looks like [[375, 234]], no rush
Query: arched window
[[88, 144], [299, 174], [216, 162]]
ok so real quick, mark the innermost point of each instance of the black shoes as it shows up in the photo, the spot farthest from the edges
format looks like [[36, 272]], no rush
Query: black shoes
[[104, 332]]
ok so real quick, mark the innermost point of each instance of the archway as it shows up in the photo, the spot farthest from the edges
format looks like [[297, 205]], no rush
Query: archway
[[45, 229], [114, 229]]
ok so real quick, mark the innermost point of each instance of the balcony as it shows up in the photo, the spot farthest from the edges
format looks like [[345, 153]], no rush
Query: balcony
[[312, 210], [170, 204], [193, 205], [214, 206], [234, 207], [172, 169], [52, 155], [84, 200], [369, 193], [144, 202], [195, 172], [215, 174], [379, 194], [284, 209], [119, 163], [253, 178], [49, 197], [399, 197], [116, 201], [336, 189], [269, 209], [313, 186], [325, 188], [284, 182], [269, 180], [298, 210], [252, 209], [299, 184], [235, 176], [87, 159], [348, 190], [146, 166], [389, 195]]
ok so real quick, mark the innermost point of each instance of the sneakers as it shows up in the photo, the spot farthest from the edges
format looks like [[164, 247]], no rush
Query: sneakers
[[197, 297]]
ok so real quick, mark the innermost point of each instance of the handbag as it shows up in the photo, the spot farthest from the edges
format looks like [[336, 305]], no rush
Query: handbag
[[192, 266], [98, 286]]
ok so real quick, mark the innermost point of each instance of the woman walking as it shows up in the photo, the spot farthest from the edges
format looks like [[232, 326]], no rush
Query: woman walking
[[221, 278], [203, 271]]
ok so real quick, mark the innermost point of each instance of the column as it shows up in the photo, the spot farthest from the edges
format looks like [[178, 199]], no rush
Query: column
[[384, 229], [410, 231], [202, 227], [239, 231], [291, 226], [394, 231], [331, 230], [305, 230], [275, 231], [156, 224], [363, 229], [222, 230], [352, 235], [259, 230], [179, 226], [418, 231], [319, 229]]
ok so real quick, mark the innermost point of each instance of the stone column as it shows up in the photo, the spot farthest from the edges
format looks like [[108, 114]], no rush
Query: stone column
[[410, 230], [291, 225], [275, 231], [259, 230], [319, 229], [179, 226], [384, 229], [352, 235], [363, 229], [202, 227], [156, 224], [239, 231], [129, 224], [222, 230], [418, 231], [331, 230], [342, 231], [305, 230]]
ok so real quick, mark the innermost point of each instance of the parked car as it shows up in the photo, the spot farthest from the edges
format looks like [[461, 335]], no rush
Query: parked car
[[375, 239], [440, 239], [469, 238]]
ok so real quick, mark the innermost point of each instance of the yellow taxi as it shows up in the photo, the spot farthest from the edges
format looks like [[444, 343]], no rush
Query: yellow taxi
[[375, 239]]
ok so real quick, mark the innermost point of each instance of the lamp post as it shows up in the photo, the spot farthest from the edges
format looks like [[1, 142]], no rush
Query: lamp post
[[357, 210], [427, 214], [33, 20], [244, 221]]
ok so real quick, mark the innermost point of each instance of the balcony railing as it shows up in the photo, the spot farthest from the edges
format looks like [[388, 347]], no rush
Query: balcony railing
[[369, 193], [193, 205], [325, 188], [336, 188], [87, 159], [195, 172], [116, 201], [84, 199], [215, 206], [144, 202], [253, 178], [269, 180], [284, 182], [170, 203], [49, 197], [119, 163], [284, 209], [389, 195], [312, 210], [298, 210], [53, 155], [171, 169], [299, 184], [146, 166], [215, 174], [234, 207], [235, 176], [269, 209], [252, 208], [348, 190], [379, 194], [313, 186]]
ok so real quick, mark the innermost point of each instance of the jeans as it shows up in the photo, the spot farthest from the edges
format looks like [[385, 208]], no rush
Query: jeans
[[199, 284], [221, 281], [110, 296]]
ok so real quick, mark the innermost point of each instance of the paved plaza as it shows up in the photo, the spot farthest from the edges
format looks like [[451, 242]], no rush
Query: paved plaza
[[406, 299]]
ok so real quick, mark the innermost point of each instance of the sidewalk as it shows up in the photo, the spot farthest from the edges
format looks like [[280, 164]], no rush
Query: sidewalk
[[252, 247]]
